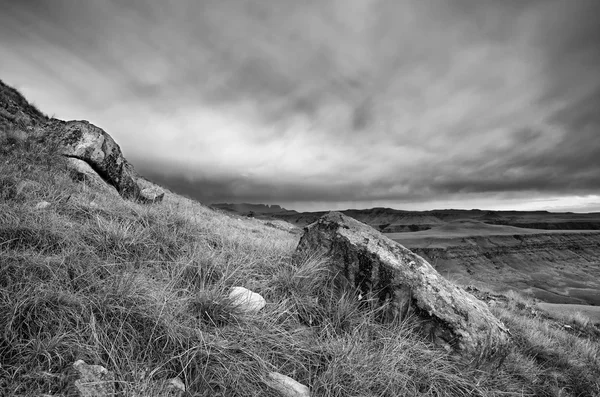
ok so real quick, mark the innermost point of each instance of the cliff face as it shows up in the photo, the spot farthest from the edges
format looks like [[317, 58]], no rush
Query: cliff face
[[556, 267]]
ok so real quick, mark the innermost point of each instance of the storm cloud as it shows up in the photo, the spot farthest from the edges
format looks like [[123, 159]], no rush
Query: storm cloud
[[329, 103]]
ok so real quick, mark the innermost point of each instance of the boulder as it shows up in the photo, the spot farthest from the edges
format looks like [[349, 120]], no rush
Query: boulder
[[92, 381], [287, 386], [246, 300], [379, 267], [85, 141]]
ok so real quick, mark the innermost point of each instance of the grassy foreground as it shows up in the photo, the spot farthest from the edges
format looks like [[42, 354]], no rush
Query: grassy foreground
[[142, 290]]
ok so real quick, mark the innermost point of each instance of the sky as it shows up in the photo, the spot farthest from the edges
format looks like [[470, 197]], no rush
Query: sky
[[329, 104]]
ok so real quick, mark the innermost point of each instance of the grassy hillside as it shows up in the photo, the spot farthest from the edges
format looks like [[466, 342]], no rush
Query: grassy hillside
[[143, 291]]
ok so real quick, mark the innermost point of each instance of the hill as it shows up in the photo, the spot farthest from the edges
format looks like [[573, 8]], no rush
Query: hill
[[389, 220], [141, 289]]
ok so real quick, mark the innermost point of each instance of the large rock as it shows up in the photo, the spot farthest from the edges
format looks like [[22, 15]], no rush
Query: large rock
[[374, 264], [85, 141]]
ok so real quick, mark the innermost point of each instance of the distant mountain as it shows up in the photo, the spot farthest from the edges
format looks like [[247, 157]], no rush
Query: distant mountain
[[389, 220], [247, 208]]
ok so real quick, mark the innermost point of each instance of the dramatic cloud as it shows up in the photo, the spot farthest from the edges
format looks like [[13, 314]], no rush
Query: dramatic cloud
[[329, 103]]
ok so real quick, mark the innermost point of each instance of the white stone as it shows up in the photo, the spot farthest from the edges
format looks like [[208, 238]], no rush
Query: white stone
[[287, 386], [41, 205], [246, 300], [177, 383], [93, 380]]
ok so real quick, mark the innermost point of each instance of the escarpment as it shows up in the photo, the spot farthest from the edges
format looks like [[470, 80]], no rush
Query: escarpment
[[556, 267], [384, 269]]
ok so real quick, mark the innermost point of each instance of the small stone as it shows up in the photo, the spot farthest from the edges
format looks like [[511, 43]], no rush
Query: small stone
[[41, 205], [287, 386], [246, 300], [151, 195], [93, 380], [176, 383]]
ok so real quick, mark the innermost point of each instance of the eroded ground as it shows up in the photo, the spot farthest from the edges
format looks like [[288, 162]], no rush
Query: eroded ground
[[555, 266]]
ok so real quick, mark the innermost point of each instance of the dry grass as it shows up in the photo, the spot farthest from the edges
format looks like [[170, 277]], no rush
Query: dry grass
[[143, 291]]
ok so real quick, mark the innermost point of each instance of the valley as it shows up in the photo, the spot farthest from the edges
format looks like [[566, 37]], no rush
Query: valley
[[555, 266]]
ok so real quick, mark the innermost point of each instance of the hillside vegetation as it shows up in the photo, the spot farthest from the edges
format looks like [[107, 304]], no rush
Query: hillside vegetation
[[143, 291]]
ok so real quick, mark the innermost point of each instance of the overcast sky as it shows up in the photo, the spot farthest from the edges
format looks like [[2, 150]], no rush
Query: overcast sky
[[329, 104]]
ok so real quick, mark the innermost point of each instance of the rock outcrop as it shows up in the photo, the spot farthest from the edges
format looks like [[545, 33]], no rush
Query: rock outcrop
[[79, 141], [378, 266], [84, 141]]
